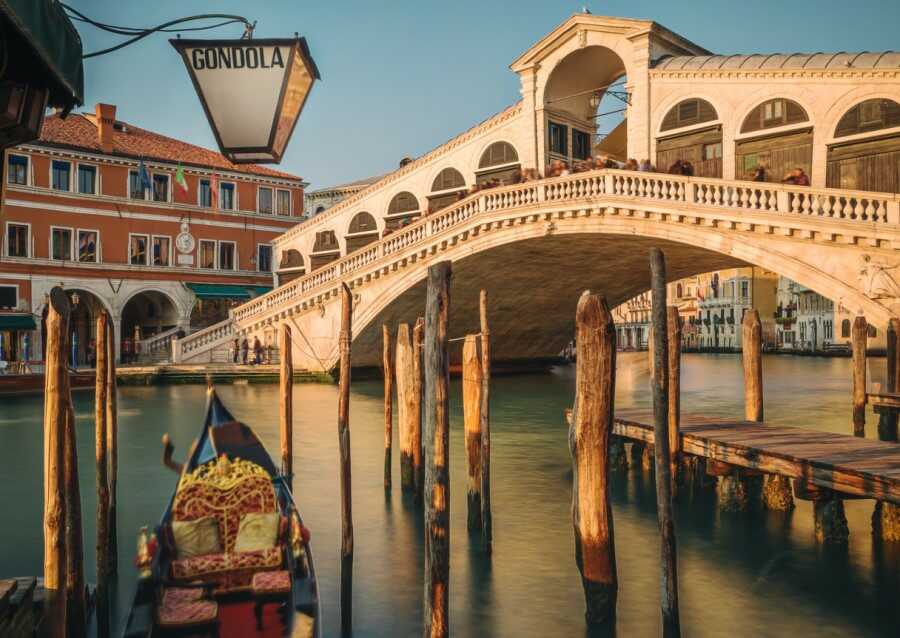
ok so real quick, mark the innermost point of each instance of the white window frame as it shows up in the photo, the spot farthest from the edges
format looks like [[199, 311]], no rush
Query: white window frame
[[271, 257], [28, 239], [97, 257], [144, 193], [215, 244], [234, 255], [153, 177], [77, 184], [290, 202], [200, 181], [236, 204], [16, 286], [169, 252], [28, 168], [146, 252], [71, 243], [258, 191], [50, 174]]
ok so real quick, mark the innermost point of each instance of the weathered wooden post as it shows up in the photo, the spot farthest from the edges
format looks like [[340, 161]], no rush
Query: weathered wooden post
[[344, 448], [886, 517], [589, 430], [642, 453], [407, 406], [418, 340], [56, 388], [286, 387], [100, 399], [858, 339], [437, 453], [76, 617], [887, 417], [388, 402], [486, 521], [112, 445], [673, 328], [668, 560], [471, 390]]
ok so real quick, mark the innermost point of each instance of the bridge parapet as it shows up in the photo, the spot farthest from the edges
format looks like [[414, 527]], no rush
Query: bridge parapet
[[853, 217]]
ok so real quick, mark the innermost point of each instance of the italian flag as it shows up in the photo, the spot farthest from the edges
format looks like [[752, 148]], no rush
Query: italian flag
[[179, 179]]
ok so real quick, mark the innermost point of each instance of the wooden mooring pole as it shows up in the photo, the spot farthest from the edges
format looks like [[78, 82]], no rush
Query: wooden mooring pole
[[486, 520], [388, 366], [418, 340], [286, 413], [589, 431], [100, 400], [344, 449], [56, 397], [407, 406], [886, 517], [668, 559], [673, 328], [858, 340], [112, 445], [437, 453], [472, 378], [76, 617]]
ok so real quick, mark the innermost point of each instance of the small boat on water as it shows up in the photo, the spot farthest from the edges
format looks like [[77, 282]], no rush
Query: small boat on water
[[230, 556]]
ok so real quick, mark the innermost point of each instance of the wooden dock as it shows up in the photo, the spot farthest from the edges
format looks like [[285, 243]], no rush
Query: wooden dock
[[846, 464]]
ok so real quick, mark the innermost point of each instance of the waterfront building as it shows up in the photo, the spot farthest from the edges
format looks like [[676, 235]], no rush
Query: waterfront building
[[723, 298], [632, 320], [164, 235], [321, 199]]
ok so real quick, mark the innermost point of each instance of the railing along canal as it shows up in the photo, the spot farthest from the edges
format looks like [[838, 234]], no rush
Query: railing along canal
[[838, 205]]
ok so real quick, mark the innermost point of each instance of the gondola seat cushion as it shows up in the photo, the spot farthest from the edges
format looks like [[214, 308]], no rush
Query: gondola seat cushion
[[269, 583], [226, 490], [178, 610]]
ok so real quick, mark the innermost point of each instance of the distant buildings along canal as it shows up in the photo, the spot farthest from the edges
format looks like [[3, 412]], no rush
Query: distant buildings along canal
[[164, 235]]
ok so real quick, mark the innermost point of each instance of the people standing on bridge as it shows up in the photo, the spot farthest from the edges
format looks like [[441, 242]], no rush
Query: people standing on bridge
[[245, 347], [687, 169], [677, 168], [257, 351], [796, 177], [236, 350], [631, 164], [646, 166], [760, 174]]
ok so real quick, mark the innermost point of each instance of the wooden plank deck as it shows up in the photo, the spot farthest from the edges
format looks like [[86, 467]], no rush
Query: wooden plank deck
[[844, 463]]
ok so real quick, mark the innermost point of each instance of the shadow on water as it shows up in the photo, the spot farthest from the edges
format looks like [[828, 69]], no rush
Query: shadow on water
[[741, 574]]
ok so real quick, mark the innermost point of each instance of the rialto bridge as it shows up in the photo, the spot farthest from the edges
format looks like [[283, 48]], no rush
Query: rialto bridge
[[536, 245]]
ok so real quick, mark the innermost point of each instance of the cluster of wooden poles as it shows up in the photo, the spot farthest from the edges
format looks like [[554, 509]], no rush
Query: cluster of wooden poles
[[65, 609]]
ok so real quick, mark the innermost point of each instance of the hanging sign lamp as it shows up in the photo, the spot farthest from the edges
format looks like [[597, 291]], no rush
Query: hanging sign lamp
[[252, 92]]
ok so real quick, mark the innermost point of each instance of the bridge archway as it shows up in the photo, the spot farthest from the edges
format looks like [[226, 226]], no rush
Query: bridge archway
[[777, 134], [291, 266], [691, 131], [446, 189], [865, 154], [585, 98], [362, 230], [498, 164], [403, 209], [325, 250]]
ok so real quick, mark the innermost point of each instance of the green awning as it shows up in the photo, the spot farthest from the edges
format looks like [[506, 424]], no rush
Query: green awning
[[227, 291], [17, 322], [43, 49]]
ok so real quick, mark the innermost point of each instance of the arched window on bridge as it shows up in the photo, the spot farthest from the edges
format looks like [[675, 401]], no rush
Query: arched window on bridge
[[291, 266], [403, 210], [325, 250], [447, 188], [870, 159], [683, 138], [498, 164], [771, 136], [363, 230]]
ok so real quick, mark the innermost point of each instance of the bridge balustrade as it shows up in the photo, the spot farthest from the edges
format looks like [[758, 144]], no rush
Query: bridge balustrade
[[732, 195]]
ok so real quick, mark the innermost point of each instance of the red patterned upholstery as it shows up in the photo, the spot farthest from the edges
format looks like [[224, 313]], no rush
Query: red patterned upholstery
[[277, 582], [226, 490], [181, 594], [175, 612]]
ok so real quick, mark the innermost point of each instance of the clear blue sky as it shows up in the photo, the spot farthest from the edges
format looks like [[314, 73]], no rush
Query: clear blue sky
[[401, 77]]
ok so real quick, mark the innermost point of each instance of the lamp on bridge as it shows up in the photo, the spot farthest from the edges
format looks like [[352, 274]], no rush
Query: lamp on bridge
[[252, 92]]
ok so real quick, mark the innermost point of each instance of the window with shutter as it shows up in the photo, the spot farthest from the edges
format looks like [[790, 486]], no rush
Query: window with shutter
[[447, 179], [773, 113], [498, 153], [688, 113]]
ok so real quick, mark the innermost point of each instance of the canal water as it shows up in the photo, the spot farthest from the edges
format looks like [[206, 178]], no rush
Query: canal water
[[753, 574]]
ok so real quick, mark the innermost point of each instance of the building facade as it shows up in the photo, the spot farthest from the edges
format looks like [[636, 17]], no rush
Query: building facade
[[723, 299], [163, 235], [321, 199]]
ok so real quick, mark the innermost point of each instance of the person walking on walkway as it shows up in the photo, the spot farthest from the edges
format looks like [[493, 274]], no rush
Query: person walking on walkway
[[257, 351], [236, 350], [245, 347]]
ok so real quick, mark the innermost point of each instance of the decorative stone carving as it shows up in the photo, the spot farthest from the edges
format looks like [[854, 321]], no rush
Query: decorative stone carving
[[875, 279]]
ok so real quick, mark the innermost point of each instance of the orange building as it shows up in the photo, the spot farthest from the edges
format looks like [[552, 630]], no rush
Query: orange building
[[163, 235]]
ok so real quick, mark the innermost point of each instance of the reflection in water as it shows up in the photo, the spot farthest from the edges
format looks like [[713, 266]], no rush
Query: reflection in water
[[753, 574]]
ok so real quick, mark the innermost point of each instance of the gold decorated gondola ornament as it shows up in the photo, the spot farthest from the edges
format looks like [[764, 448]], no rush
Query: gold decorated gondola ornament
[[146, 551], [252, 90]]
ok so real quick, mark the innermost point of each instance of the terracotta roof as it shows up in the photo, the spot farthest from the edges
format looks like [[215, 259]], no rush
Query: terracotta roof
[[79, 131], [842, 60]]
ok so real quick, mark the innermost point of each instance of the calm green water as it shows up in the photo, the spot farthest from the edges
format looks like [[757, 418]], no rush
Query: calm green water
[[754, 574]]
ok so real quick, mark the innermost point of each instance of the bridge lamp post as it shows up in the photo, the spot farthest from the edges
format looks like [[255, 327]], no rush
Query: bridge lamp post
[[252, 91]]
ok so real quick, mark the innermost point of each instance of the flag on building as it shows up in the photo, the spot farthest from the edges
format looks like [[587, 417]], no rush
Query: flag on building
[[179, 179], [146, 184]]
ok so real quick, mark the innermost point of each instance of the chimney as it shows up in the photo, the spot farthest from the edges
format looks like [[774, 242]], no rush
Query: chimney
[[106, 118]]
